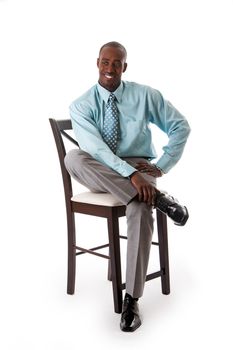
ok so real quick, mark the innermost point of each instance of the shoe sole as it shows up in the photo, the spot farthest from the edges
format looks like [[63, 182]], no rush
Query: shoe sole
[[130, 330]]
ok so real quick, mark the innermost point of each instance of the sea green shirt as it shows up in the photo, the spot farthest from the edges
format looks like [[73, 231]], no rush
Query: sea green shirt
[[138, 107]]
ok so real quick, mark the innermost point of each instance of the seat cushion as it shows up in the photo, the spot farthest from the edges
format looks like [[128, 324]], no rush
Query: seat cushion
[[105, 199]]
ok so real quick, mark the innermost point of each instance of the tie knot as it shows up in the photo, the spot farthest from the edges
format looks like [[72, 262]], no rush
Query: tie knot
[[111, 97]]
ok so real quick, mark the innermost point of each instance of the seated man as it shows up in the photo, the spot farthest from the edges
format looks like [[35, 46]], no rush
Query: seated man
[[111, 124]]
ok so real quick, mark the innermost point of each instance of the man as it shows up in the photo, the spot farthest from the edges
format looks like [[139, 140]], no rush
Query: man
[[111, 123]]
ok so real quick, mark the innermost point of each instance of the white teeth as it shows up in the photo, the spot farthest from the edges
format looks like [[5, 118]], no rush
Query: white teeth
[[108, 76]]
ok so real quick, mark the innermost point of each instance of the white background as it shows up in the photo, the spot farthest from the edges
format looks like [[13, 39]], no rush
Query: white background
[[48, 52]]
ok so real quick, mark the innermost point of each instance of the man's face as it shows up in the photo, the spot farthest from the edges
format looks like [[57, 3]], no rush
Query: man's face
[[111, 64]]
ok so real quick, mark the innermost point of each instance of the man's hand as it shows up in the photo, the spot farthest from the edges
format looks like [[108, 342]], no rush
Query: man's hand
[[146, 192], [149, 169]]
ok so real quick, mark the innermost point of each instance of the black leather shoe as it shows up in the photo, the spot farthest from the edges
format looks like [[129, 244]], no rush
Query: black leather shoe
[[130, 319], [168, 205]]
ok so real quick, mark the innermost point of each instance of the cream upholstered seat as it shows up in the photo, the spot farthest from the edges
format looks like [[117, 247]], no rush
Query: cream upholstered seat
[[97, 198]]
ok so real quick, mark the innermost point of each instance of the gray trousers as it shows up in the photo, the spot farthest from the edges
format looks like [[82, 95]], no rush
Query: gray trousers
[[99, 178]]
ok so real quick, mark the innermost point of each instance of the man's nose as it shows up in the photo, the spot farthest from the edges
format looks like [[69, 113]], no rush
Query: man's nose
[[111, 68]]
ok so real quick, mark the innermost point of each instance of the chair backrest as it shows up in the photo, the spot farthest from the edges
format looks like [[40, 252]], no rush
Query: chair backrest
[[59, 128]]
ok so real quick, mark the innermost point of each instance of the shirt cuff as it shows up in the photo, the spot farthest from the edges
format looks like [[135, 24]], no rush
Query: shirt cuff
[[165, 163], [126, 169]]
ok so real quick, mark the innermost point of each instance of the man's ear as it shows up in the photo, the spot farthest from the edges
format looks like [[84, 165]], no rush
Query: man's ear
[[125, 67], [98, 62]]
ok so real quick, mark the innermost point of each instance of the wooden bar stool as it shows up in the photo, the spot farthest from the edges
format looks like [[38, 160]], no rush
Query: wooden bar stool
[[107, 206]]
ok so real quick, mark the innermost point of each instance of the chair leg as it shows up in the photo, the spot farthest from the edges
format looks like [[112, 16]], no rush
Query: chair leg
[[71, 253], [163, 250], [115, 260], [109, 269]]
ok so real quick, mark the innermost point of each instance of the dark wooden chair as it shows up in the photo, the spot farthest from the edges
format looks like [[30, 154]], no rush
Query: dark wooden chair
[[106, 206]]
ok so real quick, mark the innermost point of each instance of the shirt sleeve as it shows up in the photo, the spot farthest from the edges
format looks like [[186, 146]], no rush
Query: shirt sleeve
[[175, 125], [91, 141]]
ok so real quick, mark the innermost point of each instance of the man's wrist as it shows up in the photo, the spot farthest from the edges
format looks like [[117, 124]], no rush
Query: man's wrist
[[159, 169], [130, 176]]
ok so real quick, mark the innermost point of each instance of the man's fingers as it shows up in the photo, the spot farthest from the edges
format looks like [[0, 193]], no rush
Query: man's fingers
[[145, 194], [146, 168], [140, 166], [149, 195], [144, 188], [140, 194], [142, 163], [151, 198]]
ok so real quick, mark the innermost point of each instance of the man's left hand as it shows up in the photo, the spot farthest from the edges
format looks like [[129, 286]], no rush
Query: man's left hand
[[149, 169]]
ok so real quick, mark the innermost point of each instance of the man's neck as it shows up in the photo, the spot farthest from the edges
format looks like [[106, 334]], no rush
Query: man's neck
[[109, 88]]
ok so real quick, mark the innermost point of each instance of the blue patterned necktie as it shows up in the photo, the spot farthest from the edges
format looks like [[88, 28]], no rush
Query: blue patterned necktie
[[111, 124]]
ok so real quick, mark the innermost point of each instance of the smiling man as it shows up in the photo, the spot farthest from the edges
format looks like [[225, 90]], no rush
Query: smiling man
[[111, 64], [111, 122]]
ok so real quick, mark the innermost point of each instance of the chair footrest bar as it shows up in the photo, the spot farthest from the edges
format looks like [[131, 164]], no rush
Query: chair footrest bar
[[154, 275], [125, 237], [148, 277], [92, 251]]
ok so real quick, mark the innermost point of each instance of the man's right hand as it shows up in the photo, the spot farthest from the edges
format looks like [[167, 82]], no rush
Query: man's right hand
[[146, 192]]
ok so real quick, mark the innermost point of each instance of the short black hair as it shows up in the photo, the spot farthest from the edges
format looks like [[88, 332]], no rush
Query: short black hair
[[114, 44]]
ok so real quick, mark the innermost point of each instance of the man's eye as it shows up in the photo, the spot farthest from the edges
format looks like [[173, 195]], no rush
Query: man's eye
[[105, 63], [117, 64]]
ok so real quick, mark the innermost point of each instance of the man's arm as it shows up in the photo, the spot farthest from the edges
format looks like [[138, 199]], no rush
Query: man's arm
[[90, 141], [175, 125]]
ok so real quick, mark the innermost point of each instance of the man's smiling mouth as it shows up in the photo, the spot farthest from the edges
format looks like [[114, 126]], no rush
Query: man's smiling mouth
[[108, 76]]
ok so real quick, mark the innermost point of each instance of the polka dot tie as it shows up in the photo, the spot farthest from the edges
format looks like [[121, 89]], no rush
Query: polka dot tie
[[111, 124]]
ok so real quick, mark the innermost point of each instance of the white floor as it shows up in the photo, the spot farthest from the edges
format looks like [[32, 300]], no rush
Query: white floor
[[37, 313]]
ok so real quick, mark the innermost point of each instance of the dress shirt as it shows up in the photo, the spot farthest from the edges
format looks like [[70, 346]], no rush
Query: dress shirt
[[138, 106]]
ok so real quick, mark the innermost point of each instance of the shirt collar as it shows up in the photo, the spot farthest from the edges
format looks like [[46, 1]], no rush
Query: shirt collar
[[104, 93]]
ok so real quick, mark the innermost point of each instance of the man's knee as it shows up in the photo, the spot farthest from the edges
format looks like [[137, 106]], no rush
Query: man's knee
[[75, 159]]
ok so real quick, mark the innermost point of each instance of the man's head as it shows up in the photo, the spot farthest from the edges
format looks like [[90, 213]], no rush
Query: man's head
[[111, 64]]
